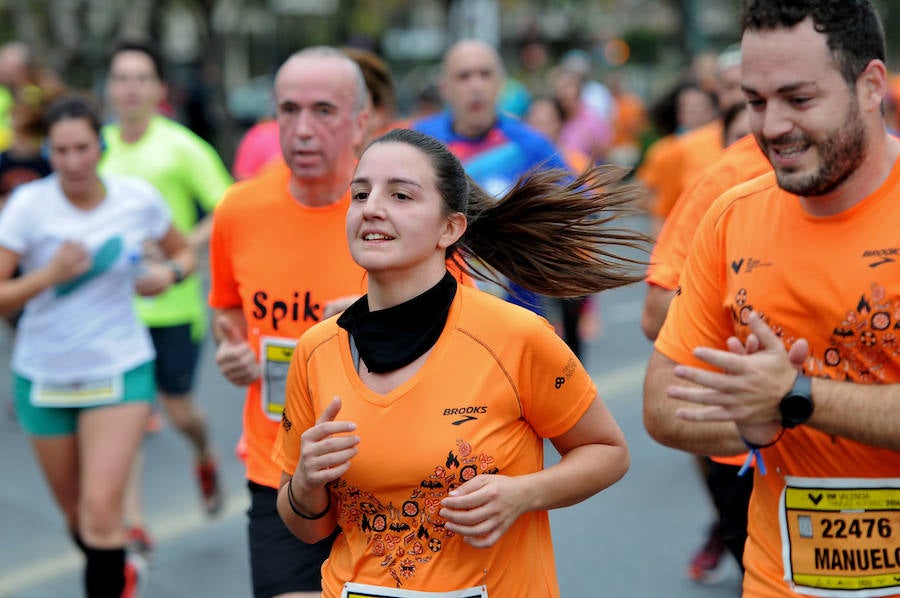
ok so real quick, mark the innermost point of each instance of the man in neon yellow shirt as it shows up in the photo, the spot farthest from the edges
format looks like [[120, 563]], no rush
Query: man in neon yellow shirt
[[185, 169]]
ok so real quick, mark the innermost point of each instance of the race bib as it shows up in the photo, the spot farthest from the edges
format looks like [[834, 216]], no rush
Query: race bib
[[841, 537], [275, 354], [89, 393], [359, 590]]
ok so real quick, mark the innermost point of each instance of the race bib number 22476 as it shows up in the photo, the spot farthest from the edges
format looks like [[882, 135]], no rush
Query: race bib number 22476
[[841, 537]]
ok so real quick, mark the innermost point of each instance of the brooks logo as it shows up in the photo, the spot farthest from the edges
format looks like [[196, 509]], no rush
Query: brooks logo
[[885, 256], [467, 413]]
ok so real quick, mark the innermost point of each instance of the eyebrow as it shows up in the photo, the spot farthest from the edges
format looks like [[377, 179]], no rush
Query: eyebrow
[[789, 88], [392, 181]]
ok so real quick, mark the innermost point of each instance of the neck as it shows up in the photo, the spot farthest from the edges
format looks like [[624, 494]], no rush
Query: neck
[[387, 289], [133, 129], [87, 199], [319, 193], [881, 154], [473, 132]]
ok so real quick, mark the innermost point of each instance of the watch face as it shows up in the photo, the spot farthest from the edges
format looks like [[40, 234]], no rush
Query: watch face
[[795, 409]]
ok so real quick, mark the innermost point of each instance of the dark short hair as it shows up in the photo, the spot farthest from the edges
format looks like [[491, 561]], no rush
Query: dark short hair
[[74, 106], [143, 46], [852, 28]]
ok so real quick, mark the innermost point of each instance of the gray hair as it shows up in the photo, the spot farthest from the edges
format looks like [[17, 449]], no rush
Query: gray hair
[[361, 97]]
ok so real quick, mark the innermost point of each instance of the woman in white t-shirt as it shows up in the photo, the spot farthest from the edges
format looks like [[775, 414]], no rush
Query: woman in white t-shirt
[[83, 362]]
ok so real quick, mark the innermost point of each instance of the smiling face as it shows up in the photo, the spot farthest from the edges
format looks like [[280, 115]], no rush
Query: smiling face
[[319, 130], [397, 223], [805, 116], [74, 155]]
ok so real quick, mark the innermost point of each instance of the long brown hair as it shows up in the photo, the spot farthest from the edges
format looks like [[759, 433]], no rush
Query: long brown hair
[[550, 233]]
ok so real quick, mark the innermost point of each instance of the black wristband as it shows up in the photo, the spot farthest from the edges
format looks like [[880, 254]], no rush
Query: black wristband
[[177, 271], [298, 512], [756, 447]]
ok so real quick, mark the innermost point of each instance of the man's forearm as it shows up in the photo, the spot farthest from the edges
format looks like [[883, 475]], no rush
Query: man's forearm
[[702, 438], [868, 413]]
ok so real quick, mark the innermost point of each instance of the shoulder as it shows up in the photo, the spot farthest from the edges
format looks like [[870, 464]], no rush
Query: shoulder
[[489, 319], [318, 335], [37, 189], [532, 142], [176, 133], [126, 189], [436, 125], [121, 184], [753, 195], [257, 193]]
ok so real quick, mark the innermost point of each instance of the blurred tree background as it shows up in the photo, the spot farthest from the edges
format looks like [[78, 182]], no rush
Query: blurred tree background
[[221, 53]]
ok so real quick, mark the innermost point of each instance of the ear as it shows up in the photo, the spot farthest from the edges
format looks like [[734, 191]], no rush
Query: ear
[[360, 126], [872, 86], [454, 227]]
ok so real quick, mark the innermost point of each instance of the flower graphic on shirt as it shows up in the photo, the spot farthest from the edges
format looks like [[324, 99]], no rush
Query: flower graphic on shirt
[[861, 346], [406, 537]]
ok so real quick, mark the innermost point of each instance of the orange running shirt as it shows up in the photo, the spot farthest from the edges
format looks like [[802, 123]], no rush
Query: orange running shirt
[[739, 163], [701, 146], [836, 282], [661, 172], [498, 381], [281, 262]]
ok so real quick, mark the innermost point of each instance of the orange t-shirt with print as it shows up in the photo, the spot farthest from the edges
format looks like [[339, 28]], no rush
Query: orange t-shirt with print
[[740, 162], [497, 382], [834, 281], [280, 262]]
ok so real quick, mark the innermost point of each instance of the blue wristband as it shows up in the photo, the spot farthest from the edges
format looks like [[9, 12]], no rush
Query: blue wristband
[[754, 454]]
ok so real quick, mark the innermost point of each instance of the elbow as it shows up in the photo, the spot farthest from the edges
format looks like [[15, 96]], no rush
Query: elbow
[[660, 429], [650, 325], [623, 464]]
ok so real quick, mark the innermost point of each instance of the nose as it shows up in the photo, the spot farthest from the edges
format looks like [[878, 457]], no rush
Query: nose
[[774, 121], [374, 205], [303, 125]]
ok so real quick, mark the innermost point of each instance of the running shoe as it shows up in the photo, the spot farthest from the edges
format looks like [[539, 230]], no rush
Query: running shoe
[[706, 566], [139, 542], [136, 571], [210, 486]]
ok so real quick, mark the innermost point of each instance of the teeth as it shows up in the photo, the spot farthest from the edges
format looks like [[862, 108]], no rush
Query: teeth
[[789, 152], [375, 237]]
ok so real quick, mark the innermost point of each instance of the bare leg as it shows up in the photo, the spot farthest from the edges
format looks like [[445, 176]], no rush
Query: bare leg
[[134, 508], [58, 458], [109, 438], [186, 415]]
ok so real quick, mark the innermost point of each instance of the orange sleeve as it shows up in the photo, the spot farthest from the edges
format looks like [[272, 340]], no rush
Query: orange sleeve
[[223, 293], [556, 390], [697, 316], [739, 163], [670, 178], [671, 249]]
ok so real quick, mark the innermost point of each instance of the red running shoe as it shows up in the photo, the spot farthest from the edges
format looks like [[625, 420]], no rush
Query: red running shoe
[[135, 576], [139, 542], [706, 566], [210, 486]]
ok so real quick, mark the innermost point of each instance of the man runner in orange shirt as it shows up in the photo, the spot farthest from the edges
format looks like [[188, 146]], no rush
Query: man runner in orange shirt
[[279, 260], [782, 339]]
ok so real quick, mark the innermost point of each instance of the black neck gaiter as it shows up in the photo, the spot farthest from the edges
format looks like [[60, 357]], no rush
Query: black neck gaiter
[[391, 338]]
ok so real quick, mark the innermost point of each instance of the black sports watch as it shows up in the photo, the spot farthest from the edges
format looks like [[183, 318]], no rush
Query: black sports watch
[[176, 269], [797, 405]]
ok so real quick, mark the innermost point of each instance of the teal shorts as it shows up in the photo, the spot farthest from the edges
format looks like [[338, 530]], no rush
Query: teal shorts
[[138, 385]]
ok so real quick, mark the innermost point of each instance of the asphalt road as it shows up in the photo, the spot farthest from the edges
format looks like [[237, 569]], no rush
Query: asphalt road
[[633, 540]]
